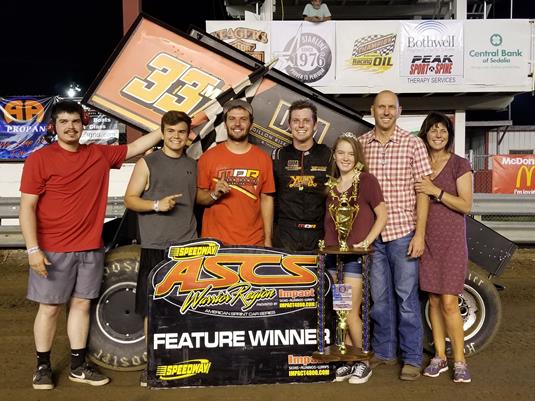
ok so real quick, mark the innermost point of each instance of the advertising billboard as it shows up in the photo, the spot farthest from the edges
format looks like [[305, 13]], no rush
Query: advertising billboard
[[221, 315], [513, 174]]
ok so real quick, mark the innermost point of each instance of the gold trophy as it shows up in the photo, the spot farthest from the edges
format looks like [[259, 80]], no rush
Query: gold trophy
[[343, 213], [343, 210]]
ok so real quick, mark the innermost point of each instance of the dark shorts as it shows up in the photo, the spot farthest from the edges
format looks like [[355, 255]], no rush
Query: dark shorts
[[292, 238], [148, 259], [352, 265], [71, 274]]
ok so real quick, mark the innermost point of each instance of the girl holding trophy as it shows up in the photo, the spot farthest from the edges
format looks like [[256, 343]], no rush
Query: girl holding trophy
[[356, 215]]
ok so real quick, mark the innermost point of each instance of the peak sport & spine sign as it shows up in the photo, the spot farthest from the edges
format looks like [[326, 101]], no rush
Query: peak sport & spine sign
[[432, 52], [223, 315]]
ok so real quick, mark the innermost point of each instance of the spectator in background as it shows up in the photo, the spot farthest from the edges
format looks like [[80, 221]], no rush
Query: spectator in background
[[316, 11], [445, 260]]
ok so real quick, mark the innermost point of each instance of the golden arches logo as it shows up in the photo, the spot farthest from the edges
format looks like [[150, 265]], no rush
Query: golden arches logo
[[529, 175]]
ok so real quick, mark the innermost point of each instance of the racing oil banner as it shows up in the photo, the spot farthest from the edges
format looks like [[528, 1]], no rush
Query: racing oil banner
[[23, 122], [234, 315], [431, 54], [251, 37], [367, 53], [513, 174], [157, 68], [305, 50]]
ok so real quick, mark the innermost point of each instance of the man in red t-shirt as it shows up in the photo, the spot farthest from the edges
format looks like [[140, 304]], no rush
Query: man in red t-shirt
[[64, 190], [235, 181]]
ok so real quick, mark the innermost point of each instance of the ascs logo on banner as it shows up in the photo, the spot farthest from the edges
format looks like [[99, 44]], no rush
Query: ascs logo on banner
[[513, 174], [221, 315]]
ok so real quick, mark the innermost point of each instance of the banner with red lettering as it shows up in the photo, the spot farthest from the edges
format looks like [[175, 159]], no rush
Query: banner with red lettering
[[513, 174], [431, 54]]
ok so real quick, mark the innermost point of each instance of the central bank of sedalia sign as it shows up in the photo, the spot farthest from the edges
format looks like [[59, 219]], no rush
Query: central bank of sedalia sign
[[233, 315]]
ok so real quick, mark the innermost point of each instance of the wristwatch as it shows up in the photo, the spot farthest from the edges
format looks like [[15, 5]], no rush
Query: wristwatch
[[440, 195], [214, 196]]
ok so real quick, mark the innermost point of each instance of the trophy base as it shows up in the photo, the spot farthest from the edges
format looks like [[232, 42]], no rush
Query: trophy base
[[335, 250], [332, 354]]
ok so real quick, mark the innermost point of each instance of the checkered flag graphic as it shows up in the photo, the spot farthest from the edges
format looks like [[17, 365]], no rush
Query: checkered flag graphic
[[382, 44]]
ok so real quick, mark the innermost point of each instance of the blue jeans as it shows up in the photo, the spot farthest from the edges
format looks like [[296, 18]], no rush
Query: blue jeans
[[352, 265], [396, 304]]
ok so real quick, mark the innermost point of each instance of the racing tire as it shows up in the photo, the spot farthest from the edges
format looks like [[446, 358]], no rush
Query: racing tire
[[481, 310], [116, 338]]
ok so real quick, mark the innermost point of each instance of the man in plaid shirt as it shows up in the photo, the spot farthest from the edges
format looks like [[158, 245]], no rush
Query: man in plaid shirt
[[398, 159]]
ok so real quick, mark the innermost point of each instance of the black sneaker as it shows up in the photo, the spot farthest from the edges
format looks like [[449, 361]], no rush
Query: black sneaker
[[361, 373], [87, 373], [143, 378], [42, 378], [343, 373]]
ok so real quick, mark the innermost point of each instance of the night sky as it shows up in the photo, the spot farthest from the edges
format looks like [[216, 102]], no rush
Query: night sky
[[49, 44]]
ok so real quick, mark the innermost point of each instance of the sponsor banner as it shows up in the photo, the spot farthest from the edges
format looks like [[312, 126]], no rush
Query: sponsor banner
[[367, 53], [251, 37], [513, 174], [305, 50], [102, 129], [406, 56], [431, 54], [23, 122], [223, 315], [495, 48]]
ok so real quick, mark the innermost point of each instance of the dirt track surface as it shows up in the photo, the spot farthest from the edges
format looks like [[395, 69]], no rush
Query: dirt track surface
[[503, 371]]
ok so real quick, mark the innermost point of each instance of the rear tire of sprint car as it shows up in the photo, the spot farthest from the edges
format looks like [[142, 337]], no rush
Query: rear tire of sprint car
[[481, 310], [116, 338]]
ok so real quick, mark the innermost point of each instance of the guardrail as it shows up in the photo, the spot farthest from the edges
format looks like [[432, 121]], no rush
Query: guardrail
[[484, 206], [493, 209], [10, 232]]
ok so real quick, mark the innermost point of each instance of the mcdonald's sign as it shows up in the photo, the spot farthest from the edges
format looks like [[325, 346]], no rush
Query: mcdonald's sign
[[513, 174], [528, 175]]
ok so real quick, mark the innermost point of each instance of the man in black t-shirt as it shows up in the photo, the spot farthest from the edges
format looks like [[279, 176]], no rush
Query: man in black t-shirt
[[300, 170]]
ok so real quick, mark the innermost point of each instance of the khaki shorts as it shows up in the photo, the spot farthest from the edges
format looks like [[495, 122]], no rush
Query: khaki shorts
[[71, 274]]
